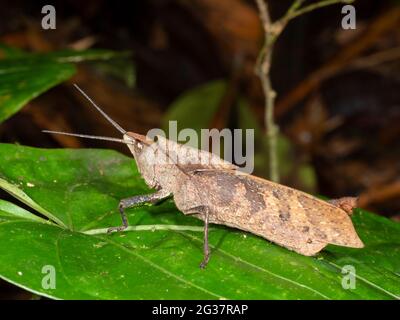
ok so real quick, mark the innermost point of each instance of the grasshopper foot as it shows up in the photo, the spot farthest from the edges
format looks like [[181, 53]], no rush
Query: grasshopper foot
[[116, 229], [204, 263]]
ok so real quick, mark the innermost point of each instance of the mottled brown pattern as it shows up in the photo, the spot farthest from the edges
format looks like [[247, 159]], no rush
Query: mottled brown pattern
[[290, 218], [284, 215], [253, 195], [320, 234], [227, 189], [276, 194]]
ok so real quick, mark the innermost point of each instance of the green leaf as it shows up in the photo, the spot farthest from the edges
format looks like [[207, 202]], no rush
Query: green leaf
[[21, 81], [202, 101], [25, 76], [158, 258], [63, 56], [10, 52]]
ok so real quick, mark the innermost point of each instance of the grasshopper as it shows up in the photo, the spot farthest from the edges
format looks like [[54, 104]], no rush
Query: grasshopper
[[215, 191]]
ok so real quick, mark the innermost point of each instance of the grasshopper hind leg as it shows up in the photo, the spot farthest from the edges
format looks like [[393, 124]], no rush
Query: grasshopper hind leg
[[204, 212], [206, 247]]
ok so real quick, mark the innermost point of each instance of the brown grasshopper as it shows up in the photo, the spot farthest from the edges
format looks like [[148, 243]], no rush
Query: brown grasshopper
[[215, 191]]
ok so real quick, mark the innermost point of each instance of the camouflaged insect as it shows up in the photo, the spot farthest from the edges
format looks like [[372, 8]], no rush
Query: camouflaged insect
[[215, 191]]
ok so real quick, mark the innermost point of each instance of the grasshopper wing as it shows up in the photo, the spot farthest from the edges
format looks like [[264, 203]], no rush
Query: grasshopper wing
[[288, 217]]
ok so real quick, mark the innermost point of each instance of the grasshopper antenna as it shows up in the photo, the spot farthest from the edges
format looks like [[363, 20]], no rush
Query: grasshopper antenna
[[116, 125], [88, 136]]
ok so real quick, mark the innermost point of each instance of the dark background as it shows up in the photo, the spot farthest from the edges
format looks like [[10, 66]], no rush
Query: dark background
[[346, 127]]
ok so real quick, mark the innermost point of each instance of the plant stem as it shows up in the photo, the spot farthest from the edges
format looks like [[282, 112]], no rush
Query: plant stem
[[314, 6], [271, 128], [295, 5], [272, 31], [263, 70]]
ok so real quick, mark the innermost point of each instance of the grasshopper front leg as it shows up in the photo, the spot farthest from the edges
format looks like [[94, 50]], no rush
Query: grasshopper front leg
[[134, 202]]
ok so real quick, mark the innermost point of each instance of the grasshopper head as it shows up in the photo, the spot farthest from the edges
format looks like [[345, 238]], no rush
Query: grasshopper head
[[136, 142], [145, 156]]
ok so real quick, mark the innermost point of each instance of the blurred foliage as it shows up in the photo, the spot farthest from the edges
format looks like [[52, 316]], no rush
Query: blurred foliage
[[25, 76]]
